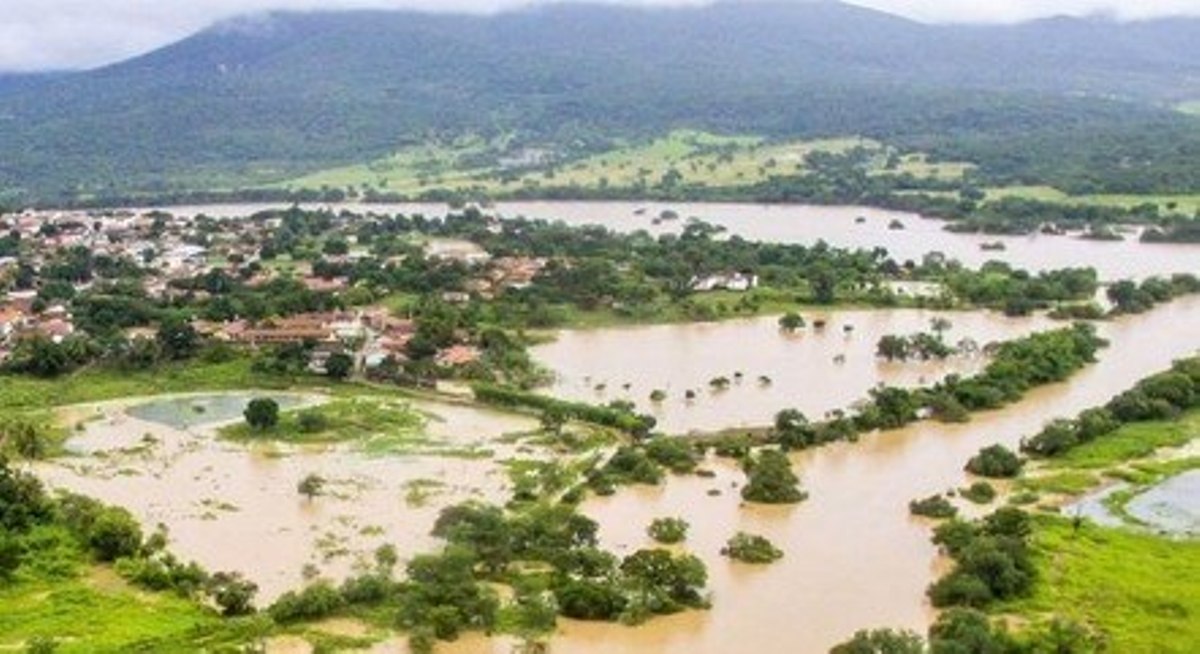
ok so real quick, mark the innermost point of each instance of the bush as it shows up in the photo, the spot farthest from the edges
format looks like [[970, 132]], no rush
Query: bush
[[668, 530], [232, 594], [750, 548], [674, 454], [262, 413], [979, 492], [934, 506], [771, 480], [995, 461], [312, 422], [319, 600], [114, 534], [590, 600], [881, 641]]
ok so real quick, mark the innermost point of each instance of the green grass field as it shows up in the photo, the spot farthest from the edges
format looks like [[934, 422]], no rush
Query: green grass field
[[697, 157], [98, 384], [1141, 592], [58, 594], [1187, 204], [374, 424]]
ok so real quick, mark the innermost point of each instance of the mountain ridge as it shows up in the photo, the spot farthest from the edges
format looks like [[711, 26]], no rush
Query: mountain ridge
[[273, 94]]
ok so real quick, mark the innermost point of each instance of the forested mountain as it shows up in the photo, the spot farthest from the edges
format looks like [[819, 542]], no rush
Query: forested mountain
[[271, 95]]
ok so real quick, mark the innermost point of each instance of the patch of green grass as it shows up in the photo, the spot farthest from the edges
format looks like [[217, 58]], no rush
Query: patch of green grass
[[692, 157], [58, 594], [1069, 482], [1186, 203], [1131, 441], [377, 425], [1140, 591], [98, 384]]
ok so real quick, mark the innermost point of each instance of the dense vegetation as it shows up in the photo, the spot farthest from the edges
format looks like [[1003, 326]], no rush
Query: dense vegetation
[[1160, 397], [52, 541], [1016, 367], [547, 553]]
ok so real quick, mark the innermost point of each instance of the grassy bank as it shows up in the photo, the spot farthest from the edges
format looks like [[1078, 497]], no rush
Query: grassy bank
[[376, 425], [1141, 593], [58, 594]]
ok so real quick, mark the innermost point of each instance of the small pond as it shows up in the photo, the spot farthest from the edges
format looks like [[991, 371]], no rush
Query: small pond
[[1172, 506], [198, 410]]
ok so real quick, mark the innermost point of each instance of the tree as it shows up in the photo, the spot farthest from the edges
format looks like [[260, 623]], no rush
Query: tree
[[964, 631], [940, 326], [553, 419], [339, 365], [668, 530], [233, 594], [114, 534], [771, 480], [262, 413], [791, 321], [311, 485], [676, 580], [751, 548], [177, 338], [995, 461], [823, 282], [892, 347], [881, 641]]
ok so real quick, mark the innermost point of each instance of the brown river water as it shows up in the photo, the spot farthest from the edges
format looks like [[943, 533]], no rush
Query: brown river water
[[854, 558], [837, 226], [814, 370], [230, 506]]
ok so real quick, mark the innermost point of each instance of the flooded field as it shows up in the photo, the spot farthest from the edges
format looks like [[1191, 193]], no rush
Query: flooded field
[[231, 506], [814, 370], [855, 558], [839, 226], [1171, 507]]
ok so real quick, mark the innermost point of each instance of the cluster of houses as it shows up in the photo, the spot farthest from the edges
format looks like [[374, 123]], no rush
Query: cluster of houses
[[18, 319], [176, 248]]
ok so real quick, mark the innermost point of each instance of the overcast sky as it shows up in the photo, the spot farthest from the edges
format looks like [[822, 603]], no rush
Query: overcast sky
[[44, 34]]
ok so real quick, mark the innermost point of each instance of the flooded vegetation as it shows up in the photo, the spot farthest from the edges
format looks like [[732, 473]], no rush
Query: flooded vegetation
[[226, 503], [858, 494], [838, 226], [765, 368]]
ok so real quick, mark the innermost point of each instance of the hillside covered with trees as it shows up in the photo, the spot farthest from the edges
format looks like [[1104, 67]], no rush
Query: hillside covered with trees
[[1077, 103]]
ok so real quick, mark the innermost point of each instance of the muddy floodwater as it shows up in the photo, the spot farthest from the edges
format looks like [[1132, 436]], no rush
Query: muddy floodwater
[[855, 558], [231, 506], [837, 225], [814, 370]]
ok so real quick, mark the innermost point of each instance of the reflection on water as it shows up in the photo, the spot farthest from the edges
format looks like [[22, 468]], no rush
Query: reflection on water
[[813, 370], [837, 226]]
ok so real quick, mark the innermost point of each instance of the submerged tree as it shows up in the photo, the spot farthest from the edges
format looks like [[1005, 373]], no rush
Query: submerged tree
[[771, 480]]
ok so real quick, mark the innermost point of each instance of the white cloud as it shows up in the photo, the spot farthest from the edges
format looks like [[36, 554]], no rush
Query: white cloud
[[44, 34]]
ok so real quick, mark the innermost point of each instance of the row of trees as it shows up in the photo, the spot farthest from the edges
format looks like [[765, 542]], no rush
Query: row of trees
[[1016, 367], [1162, 396]]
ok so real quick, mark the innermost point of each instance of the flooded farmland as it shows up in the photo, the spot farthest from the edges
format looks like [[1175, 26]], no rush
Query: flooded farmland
[[233, 506], [854, 558], [814, 370]]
